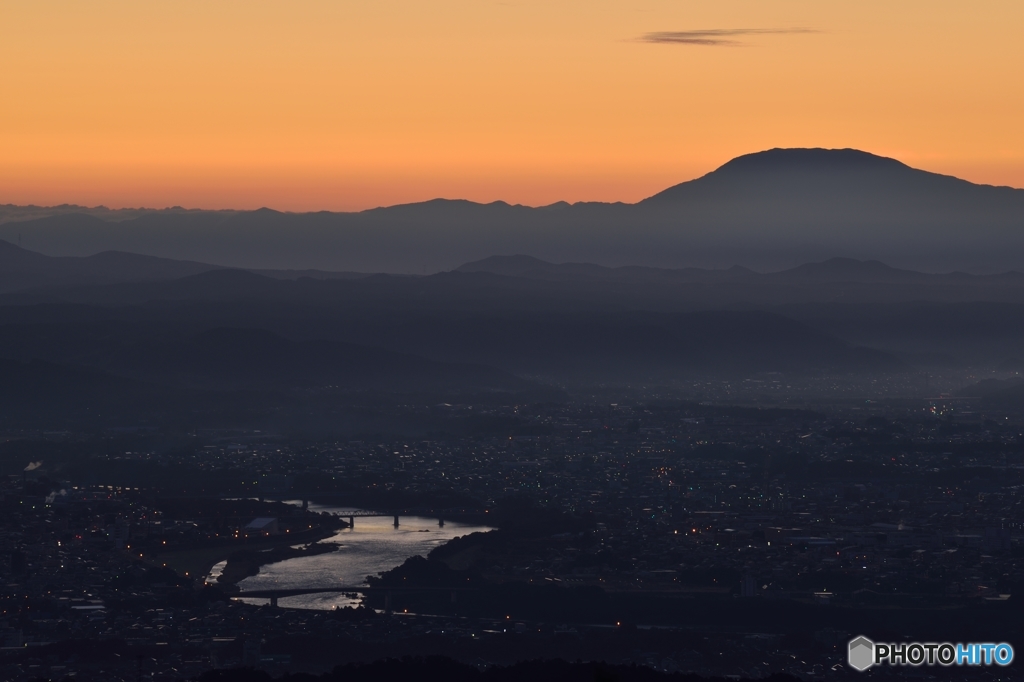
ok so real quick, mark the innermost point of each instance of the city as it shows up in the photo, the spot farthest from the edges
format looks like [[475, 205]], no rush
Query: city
[[655, 533]]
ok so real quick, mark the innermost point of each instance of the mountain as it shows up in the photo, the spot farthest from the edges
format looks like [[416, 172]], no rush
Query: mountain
[[926, 320], [771, 210], [12, 213], [480, 326], [25, 270], [525, 283], [866, 206], [843, 186], [21, 269]]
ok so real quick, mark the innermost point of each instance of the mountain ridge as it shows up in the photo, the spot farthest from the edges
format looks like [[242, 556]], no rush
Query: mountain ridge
[[779, 156], [25, 270], [769, 210]]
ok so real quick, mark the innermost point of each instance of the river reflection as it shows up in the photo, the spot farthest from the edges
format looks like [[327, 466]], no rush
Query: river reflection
[[372, 547]]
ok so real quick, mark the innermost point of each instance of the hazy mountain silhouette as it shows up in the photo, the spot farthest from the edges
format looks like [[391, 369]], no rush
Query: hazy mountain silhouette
[[21, 269], [24, 270], [925, 319], [767, 211]]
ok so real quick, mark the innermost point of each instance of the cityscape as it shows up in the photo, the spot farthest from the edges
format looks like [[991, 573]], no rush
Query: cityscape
[[657, 533]]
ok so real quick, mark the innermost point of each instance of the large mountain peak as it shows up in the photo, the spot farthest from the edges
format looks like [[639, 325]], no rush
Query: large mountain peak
[[809, 160], [846, 178]]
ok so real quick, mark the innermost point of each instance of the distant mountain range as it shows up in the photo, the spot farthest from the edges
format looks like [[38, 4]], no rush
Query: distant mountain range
[[501, 324], [771, 210], [519, 281], [533, 318], [141, 339], [25, 270]]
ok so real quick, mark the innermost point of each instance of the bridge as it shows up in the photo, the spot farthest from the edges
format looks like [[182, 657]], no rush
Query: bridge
[[275, 594], [352, 516], [438, 514]]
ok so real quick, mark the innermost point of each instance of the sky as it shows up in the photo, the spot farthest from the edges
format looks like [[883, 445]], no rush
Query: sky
[[307, 105]]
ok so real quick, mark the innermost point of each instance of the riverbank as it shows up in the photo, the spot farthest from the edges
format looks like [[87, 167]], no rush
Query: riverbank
[[199, 560]]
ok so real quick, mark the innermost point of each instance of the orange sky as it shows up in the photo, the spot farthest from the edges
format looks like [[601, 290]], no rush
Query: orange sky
[[348, 104]]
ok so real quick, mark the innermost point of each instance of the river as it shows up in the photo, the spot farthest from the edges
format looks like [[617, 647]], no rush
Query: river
[[372, 547]]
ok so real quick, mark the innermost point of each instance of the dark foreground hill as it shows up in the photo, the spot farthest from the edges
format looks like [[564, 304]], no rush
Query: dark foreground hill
[[255, 358], [256, 342], [766, 211], [220, 378], [96, 359]]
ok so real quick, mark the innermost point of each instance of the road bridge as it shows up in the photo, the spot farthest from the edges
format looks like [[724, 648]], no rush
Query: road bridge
[[364, 514], [439, 514]]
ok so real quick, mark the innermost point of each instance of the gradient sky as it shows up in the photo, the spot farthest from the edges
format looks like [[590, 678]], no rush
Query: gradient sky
[[349, 104]]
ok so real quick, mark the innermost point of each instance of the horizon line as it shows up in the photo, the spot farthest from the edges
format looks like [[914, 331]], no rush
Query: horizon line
[[179, 208]]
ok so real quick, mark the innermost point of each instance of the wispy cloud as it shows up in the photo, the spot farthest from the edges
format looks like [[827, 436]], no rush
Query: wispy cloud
[[716, 37]]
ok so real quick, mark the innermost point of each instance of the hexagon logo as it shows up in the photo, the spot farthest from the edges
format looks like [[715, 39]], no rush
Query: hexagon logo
[[861, 654]]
